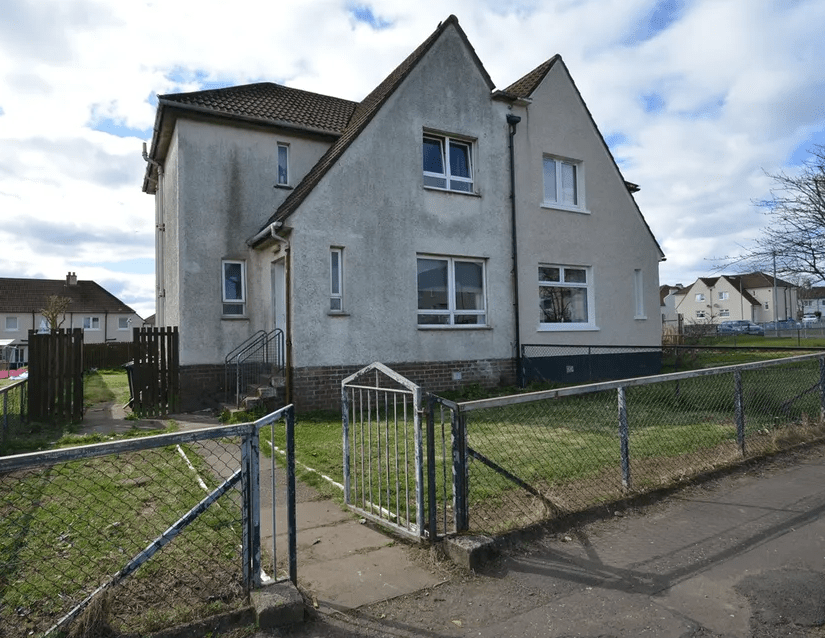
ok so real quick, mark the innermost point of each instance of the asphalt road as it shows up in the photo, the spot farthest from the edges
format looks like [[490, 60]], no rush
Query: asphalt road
[[741, 555]]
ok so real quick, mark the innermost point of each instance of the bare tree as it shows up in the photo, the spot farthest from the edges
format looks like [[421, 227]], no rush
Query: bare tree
[[55, 311], [795, 237]]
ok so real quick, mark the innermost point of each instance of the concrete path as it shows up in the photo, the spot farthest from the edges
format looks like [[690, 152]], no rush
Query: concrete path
[[342, 563]]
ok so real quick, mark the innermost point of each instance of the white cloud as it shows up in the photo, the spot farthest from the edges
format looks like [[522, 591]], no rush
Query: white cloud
[[739, 83]]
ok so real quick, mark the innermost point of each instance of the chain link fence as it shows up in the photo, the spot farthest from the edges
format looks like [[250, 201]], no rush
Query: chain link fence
[[545, 454], [75, 522]]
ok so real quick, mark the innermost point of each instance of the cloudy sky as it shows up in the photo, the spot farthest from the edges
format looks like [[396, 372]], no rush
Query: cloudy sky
[[697, 99]]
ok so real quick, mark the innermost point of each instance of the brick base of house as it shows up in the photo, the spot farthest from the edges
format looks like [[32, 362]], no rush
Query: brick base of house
[[319, 388], [201, 387]]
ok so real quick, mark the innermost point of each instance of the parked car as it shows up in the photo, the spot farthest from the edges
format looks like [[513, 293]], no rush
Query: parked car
[[740, 327], [783, 324], [810, 318]]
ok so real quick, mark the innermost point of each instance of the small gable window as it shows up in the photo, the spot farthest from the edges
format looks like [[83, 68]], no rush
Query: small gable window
[[448, 163], [563, 184], [283, 165]]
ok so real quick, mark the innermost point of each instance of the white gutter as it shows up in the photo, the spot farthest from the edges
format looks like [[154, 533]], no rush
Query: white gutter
[[160, 227], [269, 231]]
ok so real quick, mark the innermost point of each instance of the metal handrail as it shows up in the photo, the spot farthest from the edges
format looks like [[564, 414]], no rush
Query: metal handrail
[[258, 351]]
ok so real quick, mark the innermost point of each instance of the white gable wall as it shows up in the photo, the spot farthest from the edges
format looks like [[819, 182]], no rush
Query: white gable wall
[[610, 238]]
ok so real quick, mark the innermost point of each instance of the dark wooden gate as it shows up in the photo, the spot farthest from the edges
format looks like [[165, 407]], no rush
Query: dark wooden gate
[[56, 376], [154, 375]]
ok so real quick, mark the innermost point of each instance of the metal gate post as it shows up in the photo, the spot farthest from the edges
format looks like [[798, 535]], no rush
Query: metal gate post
[[460, 484], [624, 438], [431, 492], [291, 521], [251, 505], [345, 407], [822, 388], [739, 410], [419, 464]]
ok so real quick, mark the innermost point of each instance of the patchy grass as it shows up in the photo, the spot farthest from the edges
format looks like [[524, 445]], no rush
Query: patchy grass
[[64, 528], [105, 386]]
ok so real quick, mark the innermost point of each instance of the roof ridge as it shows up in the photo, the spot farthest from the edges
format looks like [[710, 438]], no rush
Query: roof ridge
[[529, 82]]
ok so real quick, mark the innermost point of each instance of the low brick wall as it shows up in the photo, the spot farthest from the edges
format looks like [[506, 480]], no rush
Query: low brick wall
[[201, 387], [319, 388]]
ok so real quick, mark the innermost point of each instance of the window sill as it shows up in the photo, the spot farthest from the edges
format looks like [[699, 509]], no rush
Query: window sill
[[234, 318], [567, 327], [283, 186], [447, 190], [337, 313], [454, 327], [640, 317], [566, 209]]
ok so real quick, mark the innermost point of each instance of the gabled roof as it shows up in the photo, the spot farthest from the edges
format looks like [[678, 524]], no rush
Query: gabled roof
[[814, 292], [264, 103], [271, 103], [29, 295], [523, 89], [364, 114], [743, 283]]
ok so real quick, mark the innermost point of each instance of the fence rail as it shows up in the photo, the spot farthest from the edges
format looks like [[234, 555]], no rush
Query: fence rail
[[74, 523], [544, 454]]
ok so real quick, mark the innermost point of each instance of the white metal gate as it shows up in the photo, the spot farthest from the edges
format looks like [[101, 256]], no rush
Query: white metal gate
[[383, 450]]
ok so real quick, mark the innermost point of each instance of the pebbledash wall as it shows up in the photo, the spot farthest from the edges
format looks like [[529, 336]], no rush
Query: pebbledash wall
[[319, 388]]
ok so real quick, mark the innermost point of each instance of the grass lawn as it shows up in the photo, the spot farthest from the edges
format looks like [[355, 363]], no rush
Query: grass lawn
[[66, 527]]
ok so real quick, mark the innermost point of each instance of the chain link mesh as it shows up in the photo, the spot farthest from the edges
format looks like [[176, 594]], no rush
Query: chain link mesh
[[68, 527], [531, 460]]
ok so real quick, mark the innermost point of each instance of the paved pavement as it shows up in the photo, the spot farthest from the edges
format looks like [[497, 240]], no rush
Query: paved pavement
[[739, 556]]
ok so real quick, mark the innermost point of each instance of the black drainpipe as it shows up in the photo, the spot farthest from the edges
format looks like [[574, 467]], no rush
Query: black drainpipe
[[512, 121]]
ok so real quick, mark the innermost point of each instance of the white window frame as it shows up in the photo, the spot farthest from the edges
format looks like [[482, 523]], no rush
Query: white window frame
[[724, 312], [123, 323], [12, 324], [639, 293], [700, 314], [451, 182], [700, 296], [336, 280], [283, 171], [588, 285], [549, 200], [723, 295], [451, 313], [91, 323], [228, 303]]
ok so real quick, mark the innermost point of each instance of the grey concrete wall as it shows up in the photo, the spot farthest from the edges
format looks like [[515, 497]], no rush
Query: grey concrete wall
[[226, 179], [374, 205], [609, 237]]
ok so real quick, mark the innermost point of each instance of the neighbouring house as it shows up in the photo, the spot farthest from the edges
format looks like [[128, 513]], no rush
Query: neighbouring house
[[750, 297], [811, 301], [671, 322], [384, 230], [101, 315]]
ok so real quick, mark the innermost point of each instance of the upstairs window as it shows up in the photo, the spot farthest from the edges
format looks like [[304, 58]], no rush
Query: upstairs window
[[700, 296], [283, 164], [563, 184], [234, 288], [723, 295], [448, 163], [451, 292]]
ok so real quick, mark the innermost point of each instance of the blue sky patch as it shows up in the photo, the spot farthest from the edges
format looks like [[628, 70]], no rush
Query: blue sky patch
[[653, 103], [363, 13], [113, 127], [2, 112], [615, 139], [801, 152], [663, 15]]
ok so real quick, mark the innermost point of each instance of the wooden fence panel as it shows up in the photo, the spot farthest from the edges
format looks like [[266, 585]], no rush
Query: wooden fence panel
[[107, 356], [154, 373], [56, 376]]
